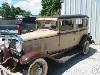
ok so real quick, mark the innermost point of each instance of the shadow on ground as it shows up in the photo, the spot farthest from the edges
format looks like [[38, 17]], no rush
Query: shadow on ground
[[59, 69]]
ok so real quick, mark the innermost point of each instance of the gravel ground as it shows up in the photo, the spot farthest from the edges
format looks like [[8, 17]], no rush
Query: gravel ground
[[79, 65]]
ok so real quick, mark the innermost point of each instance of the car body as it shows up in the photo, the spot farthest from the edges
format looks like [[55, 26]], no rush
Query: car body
[[53, 37]]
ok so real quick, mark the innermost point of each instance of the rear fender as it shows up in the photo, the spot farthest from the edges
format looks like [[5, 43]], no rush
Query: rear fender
[[90, 39]]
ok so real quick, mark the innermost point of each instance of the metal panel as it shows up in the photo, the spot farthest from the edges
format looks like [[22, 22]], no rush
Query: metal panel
[[85, 7]]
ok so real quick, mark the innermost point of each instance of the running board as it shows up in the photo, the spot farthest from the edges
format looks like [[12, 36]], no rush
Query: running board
[[68, 55]]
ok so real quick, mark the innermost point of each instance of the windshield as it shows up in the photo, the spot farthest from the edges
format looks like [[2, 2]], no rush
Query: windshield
[[46, 24]]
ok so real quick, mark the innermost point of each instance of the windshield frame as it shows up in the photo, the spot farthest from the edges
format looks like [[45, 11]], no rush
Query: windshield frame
[[48, 19]]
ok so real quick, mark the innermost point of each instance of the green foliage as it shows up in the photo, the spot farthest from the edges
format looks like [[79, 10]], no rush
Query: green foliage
[[0, 11], [8, 11], [50, 7]]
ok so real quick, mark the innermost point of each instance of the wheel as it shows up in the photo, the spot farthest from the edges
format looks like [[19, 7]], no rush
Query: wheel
[[3, 73], [84, 46], [38, 67]]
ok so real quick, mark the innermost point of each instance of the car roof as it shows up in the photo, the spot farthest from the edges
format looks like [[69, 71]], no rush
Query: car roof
[[72, 16], [65, 16]]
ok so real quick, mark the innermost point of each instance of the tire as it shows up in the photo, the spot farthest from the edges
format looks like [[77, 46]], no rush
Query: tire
[[3, 73], [84, 46], [38, 67]]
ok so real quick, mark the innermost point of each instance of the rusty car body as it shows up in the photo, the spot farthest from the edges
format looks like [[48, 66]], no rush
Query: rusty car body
[[53, 37]]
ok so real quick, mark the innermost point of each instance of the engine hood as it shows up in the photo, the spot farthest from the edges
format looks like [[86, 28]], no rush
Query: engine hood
[[40, 33]]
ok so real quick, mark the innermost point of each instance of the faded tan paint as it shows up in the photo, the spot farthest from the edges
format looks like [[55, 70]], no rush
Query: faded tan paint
[[79, 34], [51, 41], [40, 33]]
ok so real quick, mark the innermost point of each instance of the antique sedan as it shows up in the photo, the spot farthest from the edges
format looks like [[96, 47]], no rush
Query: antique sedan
[[53, 37]]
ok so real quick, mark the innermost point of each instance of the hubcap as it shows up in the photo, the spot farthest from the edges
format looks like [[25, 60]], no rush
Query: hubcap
[[38, 67], [36, 70]]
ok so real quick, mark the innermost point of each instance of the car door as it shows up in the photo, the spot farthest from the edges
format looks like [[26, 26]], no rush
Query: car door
[[67, 35], [81, 28]]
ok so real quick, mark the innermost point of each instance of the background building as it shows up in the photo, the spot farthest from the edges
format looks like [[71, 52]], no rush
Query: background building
[[86, 7]]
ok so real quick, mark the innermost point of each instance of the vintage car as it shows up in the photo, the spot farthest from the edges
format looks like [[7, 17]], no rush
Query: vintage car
[[53, 37]]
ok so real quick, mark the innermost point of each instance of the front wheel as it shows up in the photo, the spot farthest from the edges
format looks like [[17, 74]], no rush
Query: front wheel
[[38, 67]]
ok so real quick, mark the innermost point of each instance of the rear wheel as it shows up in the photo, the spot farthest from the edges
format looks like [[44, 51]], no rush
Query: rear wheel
[[84, 46]]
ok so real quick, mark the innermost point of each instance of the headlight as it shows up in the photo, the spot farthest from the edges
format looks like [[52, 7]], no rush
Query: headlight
[[6, 42], [19, 46]]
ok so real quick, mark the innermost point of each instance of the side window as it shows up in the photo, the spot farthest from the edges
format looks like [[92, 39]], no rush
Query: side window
[[85, 22], [66, 25], [79, 22]]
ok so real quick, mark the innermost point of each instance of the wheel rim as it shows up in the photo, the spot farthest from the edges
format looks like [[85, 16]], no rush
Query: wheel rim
[[4, 73], [36, 69], [86, 47]]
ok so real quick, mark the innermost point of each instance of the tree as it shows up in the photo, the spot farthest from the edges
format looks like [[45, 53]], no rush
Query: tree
[[8, 11], [50, 7], [13, 14], [0, 11], [26, 13], [18, 11]]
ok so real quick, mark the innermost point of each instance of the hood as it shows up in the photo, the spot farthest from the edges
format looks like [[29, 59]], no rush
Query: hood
[[41, 33]]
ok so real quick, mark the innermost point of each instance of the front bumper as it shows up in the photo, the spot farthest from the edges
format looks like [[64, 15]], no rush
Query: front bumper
[[7, 71]]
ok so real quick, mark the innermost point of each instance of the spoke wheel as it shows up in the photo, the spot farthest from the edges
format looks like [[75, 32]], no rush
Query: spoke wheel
[[3, 73], [85, 47], [38, 67]]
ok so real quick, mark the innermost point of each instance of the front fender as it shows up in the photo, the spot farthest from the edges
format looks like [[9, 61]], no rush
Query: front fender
[[26, 58]]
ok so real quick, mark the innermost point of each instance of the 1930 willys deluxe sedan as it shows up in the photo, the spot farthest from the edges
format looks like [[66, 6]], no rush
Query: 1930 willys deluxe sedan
[[54, 36]]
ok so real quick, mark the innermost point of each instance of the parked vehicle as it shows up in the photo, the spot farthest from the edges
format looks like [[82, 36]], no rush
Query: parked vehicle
[[26, 24], [22, 25], [53, 37]]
